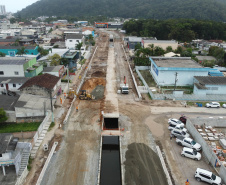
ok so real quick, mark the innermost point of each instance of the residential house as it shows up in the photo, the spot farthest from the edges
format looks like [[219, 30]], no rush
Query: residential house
[[7, 42], [19, 67], [207, 85], [55, 70], [72, 40], [11, 84], [133, 41], [13, 152], [11, 51], [26, 42], [36, 97]]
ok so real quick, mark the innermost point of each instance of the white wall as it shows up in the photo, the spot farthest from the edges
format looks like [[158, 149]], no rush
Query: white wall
[[71, 43], [167, 78], [198, 91], [52, 73], [11, 88], [9, 70], [216, 89]]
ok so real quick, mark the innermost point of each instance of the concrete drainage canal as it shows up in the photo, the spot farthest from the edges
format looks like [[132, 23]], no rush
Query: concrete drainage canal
[[110, 173]]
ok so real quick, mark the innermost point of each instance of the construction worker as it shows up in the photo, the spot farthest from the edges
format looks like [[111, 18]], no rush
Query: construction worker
[[61, 101], [77, 109], [187, 183], [65, 95]]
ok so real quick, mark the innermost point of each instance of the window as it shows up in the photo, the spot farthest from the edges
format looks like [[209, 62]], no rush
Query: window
[[0, 155], [205, 176], [70, 40], [1, 72], [16, 72], [14, 85], [2, 85]]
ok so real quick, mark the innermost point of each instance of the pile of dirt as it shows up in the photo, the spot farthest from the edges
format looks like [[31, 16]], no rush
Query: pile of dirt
[[143, 166], [91, 84], [98, 74], [98, 92]]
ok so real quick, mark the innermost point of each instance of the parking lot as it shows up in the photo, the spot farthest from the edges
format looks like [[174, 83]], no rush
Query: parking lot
[[182, 168]]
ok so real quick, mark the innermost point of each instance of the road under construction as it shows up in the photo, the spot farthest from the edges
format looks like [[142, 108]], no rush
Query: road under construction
[[105, 140]]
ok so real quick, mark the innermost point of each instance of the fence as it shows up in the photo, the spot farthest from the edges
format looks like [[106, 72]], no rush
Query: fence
[[131, 72], [207, 151], [21, 179], [40, 128]]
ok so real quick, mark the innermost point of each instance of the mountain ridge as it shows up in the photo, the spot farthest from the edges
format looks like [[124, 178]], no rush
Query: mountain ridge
[[155, 9]]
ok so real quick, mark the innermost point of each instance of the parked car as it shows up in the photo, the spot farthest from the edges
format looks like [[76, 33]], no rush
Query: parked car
[[183, 119], [188, 142], [207, 176], [177, 132], [213, 105], [174, 121], [190, 153], [177, 126], [224, 105]]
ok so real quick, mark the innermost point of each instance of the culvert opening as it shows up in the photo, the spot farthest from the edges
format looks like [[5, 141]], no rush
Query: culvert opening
[[110, 162], [111, 123]]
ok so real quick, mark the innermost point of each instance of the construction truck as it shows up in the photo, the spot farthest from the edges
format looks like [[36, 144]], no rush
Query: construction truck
[[82, 96], [124, 87]]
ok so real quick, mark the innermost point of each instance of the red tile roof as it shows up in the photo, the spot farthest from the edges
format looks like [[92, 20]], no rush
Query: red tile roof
[[46, 80]]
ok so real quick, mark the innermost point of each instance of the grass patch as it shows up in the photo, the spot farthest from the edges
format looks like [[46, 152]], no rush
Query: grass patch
[[203, 103], [149, 96], [18, 127], [29, 163], [51, 126], [148, 78], [82, 61]]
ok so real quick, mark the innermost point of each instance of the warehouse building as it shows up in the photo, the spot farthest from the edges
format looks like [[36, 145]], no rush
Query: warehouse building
[[179, 70], [206, 85]]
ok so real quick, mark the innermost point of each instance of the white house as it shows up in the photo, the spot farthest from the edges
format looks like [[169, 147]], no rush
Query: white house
[[11, 83], [72, 40]]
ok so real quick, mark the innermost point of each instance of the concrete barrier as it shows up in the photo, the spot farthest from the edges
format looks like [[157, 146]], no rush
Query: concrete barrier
[[131, 72], [46, 163], [164, 165]]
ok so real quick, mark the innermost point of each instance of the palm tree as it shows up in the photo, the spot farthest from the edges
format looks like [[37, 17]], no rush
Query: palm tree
[[21, 51]]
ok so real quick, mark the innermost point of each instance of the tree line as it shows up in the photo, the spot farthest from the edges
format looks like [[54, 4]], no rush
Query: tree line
[[183, 30]]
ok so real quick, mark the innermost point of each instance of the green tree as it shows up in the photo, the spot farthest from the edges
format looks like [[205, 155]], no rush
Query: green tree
[[78, 46], [169, 49], [3, 116], [21, 51], [64, 61], [54, 60], [2, 54], [158, 51], [42, 51]]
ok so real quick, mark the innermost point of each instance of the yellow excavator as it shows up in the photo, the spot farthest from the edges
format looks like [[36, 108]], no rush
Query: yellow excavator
[[82, 96]]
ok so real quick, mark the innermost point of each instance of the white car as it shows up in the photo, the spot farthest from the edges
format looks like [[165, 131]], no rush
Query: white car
[[207, 176], [188, 142], [190, 153], [174, 121], [177, 132], [224, 105], [213, 105], [178, 126]]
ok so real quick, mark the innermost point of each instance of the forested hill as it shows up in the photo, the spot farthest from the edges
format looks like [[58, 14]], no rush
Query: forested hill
[[155, 9]]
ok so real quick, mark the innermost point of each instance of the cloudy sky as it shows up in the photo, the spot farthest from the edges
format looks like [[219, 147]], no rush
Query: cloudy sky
[[15, 5]]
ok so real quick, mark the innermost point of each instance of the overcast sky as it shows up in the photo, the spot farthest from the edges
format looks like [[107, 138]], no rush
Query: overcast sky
[[16, 5]]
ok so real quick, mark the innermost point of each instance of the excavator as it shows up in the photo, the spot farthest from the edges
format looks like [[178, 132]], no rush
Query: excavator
[[82, 96]]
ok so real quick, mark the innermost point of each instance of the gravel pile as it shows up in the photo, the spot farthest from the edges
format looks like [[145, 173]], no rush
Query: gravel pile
[[98, 92]]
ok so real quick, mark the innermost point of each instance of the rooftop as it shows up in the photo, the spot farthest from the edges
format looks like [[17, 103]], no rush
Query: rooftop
[[17, 47], [4, 142], [135, 39], [160, 41], [74, 36], [46, 80], [52, 68], [211, 80], [4, 61], [205, 58], [177, 63], [13, 80]]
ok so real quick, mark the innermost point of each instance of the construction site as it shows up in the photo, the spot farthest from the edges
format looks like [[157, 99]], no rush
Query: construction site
[[103, 140]]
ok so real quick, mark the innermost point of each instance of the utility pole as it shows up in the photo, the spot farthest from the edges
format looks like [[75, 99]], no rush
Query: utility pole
[[68, 78], [50, 93], [175, 81]]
